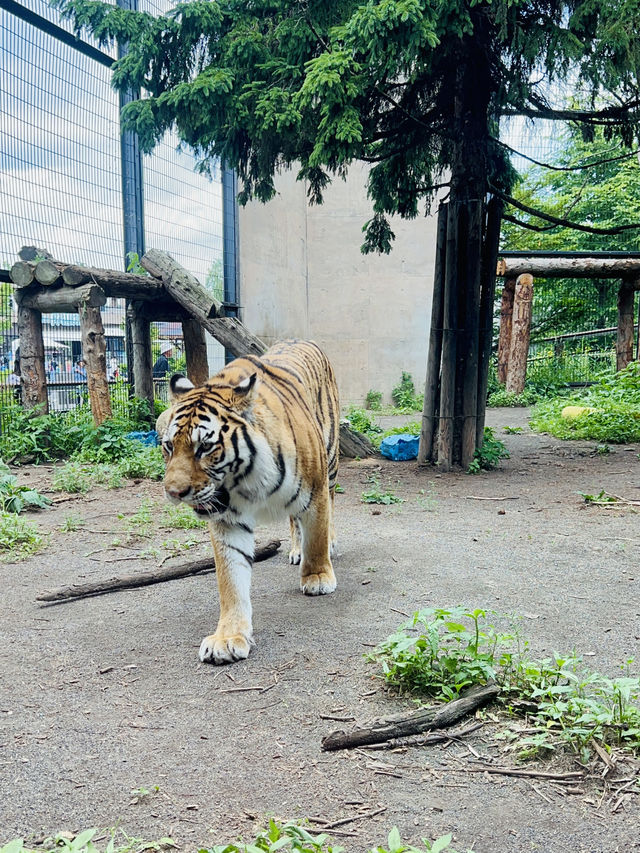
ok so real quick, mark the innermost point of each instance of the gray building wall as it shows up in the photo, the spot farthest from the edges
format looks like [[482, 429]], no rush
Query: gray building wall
[[302, 275]]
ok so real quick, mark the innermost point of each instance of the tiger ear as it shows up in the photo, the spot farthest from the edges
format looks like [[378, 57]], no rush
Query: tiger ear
[[179, 385], [244, 391]]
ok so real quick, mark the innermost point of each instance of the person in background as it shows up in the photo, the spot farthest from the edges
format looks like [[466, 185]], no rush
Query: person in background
[[79, 372], [112, 371], [161, 366]]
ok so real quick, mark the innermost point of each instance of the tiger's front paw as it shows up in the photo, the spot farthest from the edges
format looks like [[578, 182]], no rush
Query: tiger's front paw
[[218, 648], [318, 584]]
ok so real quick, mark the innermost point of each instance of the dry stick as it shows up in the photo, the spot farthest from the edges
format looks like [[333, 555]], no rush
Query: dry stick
[[428, 739], [412, 724], [68, 593], [515, 771]]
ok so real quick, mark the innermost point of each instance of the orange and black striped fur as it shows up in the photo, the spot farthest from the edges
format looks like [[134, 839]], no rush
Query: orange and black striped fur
[[259, 440]]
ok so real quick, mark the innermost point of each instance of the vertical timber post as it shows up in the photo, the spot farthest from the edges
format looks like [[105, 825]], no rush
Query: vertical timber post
[[449, 341], [624, 339], [520, 334], [506, 324], [32, 372], [230, 244], [491, 240], [195, 349], [141, 349], [95, 352], [469, 356], [430, 406]]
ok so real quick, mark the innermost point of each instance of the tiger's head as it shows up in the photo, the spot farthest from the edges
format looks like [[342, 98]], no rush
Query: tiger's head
[[207, 443]]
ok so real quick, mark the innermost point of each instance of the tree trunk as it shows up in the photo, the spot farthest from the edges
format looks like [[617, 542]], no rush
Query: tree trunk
[[195, 348], [506, 325], [142, 358], [624, 340], [32, 373], [94, 352], [63, 299], [520, 334]]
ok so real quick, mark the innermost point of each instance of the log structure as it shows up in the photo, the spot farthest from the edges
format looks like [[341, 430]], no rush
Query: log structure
[[515, 311]]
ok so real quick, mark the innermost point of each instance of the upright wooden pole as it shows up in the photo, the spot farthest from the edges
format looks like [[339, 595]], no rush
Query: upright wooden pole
[[520, 335], [468, 352], [141, 349], [506, 324], [449, 340], [487, 299], [195, 348], [624, 339], [94, 351], [32, 373], [430, 406]]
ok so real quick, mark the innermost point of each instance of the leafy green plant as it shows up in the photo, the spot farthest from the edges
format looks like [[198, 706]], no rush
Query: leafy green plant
[[512, 430], [144, 463], [15, 498], [404, 395], [180, 517], [502, 398], [86, 842], [360, 421], [373, 400], [18, 538], [489, 455], [375, 495], [601, 498], [440, 652], [71, 523]]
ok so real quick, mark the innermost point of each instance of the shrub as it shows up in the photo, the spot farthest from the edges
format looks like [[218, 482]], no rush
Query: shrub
[[404, 395]]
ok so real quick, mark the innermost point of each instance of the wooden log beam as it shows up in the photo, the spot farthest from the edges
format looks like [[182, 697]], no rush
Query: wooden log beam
[[125, 285], [624, 338], [47, 272], [94, 351], [22, 274], [520, 334], [422, 720], [31, 253], [181, 284], [32, 372], [194, 567], [506, 324], [588, 267], [63, 299], [188, 292]]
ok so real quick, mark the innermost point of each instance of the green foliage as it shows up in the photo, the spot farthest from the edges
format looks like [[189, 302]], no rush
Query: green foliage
[[410, 428], [180, 517], [144, 463], [119, 842], [440, 652], [404, 395], [18, 538], [361, 421], [489, 454], [15, 498], [613, 416], [134, 265], [375, 495], [373, 400]]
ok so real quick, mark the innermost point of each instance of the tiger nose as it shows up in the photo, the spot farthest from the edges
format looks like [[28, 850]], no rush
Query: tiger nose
[[175, 492]]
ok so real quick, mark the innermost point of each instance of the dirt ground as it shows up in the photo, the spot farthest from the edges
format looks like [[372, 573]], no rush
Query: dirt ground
[[105, 696]]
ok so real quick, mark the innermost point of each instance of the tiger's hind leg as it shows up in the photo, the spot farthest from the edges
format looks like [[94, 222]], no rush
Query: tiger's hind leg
[[316, 572], [295, 554]]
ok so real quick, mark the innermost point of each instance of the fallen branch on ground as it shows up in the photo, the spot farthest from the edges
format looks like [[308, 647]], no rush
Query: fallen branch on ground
[[428, 739], [415, 723], [85, 590]]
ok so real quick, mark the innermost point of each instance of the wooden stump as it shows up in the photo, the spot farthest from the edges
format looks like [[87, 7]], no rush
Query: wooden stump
[[624, 339], [142, 358], [195, 349], [520, 334], [94, 351], [506, 325], [32, 373]]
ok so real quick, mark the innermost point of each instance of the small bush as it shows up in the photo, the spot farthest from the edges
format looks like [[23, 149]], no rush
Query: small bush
[[489, 455], [18, 538], [373, 400], [404, 395]]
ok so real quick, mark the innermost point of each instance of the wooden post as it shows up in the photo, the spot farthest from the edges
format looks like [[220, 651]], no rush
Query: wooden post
[[94, 351], [468, 351], [506, 323], [195, 349], [32, 373], [491, 241], [429, 409], [521, 332], [449, 340], [624, 340], [142, 358]]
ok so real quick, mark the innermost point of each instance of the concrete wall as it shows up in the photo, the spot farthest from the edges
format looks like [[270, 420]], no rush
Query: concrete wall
[[302, 275]]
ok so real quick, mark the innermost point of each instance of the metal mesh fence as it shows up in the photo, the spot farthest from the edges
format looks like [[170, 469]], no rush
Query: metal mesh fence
[[61, 190]]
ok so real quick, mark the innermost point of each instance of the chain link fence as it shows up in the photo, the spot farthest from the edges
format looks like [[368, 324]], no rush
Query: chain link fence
[[62, 190]]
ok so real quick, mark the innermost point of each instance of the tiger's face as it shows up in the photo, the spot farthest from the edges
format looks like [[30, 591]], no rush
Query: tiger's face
[[207, 444]]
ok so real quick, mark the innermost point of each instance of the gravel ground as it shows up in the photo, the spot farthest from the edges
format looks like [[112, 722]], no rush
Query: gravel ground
[[102, 697]]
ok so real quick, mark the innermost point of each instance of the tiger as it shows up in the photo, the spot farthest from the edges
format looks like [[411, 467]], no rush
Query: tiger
[[258, 441]]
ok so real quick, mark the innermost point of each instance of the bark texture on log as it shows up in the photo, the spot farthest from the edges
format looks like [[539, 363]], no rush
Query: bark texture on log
[[626, 323], [94, 351], [32, 372], [22, 274], [506, 324], [181, 284], [353, 444], [30, 253], [570, 267], [412, 724], [194, 567], [520, 334], [195, 350], [62, 299], [234, 336], [47, 273]]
